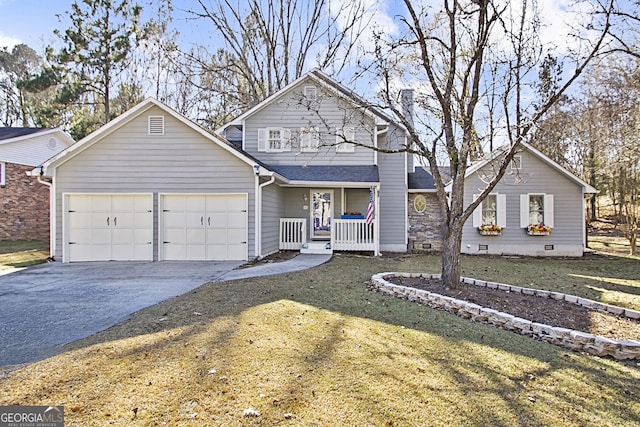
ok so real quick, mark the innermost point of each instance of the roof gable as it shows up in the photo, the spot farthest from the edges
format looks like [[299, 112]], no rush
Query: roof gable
[[586, 188], [127, 117], [328, 84]]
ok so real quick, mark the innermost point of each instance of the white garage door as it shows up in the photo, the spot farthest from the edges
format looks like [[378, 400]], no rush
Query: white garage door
[[204, 227], [106, 227]]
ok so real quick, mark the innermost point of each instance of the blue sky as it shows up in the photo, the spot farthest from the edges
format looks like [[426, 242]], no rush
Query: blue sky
[[30, 21]]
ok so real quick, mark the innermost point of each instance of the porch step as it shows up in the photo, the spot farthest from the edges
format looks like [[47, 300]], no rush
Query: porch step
[[316, 248]]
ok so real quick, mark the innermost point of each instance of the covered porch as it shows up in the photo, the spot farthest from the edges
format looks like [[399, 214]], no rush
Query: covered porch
[[333, 219]]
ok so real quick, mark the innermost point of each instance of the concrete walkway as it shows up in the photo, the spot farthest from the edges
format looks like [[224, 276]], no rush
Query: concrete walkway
[[48, 305], [298, 263]]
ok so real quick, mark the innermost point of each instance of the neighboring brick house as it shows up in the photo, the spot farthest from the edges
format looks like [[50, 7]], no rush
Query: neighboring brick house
[[24, 202]]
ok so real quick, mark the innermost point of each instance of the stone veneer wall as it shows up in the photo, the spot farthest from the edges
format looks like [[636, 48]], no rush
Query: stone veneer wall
[[24, 206], [425, 228], [567, 338]]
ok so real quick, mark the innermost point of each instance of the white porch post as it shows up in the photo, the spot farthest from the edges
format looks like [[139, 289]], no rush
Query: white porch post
[[376, 219]]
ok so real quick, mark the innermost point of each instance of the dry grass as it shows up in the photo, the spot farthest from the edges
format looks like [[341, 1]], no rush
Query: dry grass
[[316, 348]]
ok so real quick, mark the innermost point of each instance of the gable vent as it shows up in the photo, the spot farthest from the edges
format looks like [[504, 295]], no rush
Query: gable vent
[[156, 125]]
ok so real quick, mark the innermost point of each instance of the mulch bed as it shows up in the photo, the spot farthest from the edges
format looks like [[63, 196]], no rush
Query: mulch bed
[[541, 310]]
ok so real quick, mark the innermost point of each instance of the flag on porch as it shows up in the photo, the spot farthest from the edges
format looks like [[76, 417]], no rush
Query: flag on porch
[[370, 208]]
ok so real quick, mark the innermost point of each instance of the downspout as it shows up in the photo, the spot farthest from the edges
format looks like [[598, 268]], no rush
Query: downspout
[[259, 213], [375, 142], [52, 213]]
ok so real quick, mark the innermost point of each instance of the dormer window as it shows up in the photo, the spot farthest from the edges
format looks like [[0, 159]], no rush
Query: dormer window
[[156, 125]]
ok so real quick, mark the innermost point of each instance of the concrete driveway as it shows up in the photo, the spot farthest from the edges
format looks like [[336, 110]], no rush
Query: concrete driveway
[[48, 305]]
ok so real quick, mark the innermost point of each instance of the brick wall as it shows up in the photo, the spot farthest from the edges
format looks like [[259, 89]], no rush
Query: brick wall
[[425, 228], [24, 206]]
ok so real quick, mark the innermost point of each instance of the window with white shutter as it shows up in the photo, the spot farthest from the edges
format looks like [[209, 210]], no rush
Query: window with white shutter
[[309, 140], [492, 211], [536, 209], [347, 134], [274, 140]]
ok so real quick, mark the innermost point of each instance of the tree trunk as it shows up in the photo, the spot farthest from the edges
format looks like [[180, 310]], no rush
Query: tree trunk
[[451, 258]]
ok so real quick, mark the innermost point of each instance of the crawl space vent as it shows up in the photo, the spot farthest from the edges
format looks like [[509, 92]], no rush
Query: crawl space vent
[[156, 125]]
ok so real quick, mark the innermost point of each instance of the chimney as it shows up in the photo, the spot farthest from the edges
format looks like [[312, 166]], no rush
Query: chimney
[[406, 103]]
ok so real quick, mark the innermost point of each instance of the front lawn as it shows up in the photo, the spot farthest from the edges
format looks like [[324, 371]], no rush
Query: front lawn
[[317, 348]]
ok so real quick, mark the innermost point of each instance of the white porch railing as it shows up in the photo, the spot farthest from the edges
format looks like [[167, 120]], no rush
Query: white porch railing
[[352, 235], [293, 233]]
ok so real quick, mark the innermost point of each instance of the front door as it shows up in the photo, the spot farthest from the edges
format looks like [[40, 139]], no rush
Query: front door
[[321, 214]]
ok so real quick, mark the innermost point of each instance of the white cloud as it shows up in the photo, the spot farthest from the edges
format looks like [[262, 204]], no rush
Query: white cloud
[[8, 41], [374, 19]]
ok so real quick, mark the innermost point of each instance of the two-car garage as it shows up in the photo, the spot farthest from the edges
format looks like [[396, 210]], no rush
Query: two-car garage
[[104, 227]]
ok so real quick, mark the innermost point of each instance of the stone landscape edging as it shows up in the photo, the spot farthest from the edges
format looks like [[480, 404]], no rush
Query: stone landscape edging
[[567, 338]]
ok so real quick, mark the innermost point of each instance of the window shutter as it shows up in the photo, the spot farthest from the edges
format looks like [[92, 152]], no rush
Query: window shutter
[[548, 210], [262, 139], [501, 202], [305, 140], [477, 213], [285, 139], [524, 210], [309, 139], [315, 139]]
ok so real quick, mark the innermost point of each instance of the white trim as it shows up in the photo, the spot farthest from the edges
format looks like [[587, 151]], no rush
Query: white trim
[[326, 184], [376, 221], [476, 216], [3, 174], [501, 210]]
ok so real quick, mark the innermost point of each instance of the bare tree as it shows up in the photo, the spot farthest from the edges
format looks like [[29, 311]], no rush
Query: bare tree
[[609, 125], [464, 51], [267, 45]]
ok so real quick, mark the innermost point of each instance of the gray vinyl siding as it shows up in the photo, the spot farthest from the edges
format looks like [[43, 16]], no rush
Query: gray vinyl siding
[[291, 111], [356, 199], [272, 211], [538, 177], [393, 193], [128, 160]]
